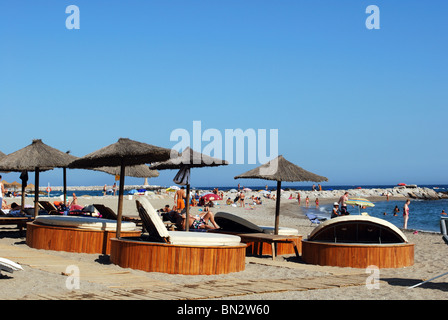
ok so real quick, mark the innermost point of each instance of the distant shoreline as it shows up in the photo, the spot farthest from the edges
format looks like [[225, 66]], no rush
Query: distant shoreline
[[375, 194]]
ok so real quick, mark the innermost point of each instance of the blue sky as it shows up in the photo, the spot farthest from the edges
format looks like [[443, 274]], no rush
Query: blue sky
[[358, 106]]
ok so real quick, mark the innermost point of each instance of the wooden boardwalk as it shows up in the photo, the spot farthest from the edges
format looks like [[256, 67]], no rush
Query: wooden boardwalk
[[123, 284]]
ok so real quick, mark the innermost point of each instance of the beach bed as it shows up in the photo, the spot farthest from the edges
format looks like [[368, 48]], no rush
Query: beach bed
[[358, 242], [75, 233], [177, 252]]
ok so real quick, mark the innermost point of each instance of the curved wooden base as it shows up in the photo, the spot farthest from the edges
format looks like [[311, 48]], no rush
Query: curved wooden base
[[56, 238], [177, 259], [358, 255]]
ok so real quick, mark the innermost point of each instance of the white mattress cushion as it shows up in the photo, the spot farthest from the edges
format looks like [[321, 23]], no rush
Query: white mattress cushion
[[203, 239], [283, 231], [90, 223]]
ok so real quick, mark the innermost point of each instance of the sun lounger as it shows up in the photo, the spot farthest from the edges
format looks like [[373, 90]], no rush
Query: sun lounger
[[231, 222], [157, 231], [49, 207], [20, 221], [252, 234], [314, 219], [108, 213]]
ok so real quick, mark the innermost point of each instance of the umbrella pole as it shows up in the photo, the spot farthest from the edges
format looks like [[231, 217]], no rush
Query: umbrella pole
[[187, 206], [23, 194], [277, 207], [36, 192], [64, 174], [120, 199]]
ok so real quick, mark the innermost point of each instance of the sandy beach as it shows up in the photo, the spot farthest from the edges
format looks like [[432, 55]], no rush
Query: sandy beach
[[40, 281]]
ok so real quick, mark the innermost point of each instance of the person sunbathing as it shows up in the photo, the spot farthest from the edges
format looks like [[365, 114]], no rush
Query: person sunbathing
[[201, 221], [74, 206]]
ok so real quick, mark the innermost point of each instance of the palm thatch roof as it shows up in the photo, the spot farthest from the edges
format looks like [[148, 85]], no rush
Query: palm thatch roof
[[280, 169], [189, 158], [137, 171], [124, 152], [36, 155], [2, 154]]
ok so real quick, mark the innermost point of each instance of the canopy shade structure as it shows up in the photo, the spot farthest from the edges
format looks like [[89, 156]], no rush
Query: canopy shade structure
[[184, 161], [125, 152], [35, 157], [280, 169], [137, 171], [191, 159]]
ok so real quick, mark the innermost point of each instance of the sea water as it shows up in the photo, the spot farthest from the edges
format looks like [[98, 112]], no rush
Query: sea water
[[423, 214]]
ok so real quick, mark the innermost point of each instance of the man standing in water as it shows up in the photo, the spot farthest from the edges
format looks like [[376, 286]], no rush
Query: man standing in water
[[406, 214], [342, 204]]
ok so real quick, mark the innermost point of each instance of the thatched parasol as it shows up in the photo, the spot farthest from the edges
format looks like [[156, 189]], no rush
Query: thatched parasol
[[189, 159], [138, 171], [124, 152], [280, 169], [35, 157]]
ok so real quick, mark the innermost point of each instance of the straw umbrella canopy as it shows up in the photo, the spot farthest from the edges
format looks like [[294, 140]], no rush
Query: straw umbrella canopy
[[123, 153], [138, 171], [280, 169], [186, 160], [35, 157]]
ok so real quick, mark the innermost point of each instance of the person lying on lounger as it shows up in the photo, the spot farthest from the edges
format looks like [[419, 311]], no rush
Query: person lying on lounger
[[201, 220]]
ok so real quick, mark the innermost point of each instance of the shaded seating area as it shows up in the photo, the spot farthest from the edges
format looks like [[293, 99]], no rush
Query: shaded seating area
[[260, 239], [357, 242], [177, 252]]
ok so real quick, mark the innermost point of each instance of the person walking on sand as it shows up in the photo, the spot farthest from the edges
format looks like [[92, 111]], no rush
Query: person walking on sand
[[104, 190], [298, 198], [179, 197], [307, 201], [317, 202], [406, 214], [242, 196]]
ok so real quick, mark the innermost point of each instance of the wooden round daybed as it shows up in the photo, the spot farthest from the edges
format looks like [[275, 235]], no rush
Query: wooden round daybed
[[141, 254], [177, 252], [75, 234], [358, 242]]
